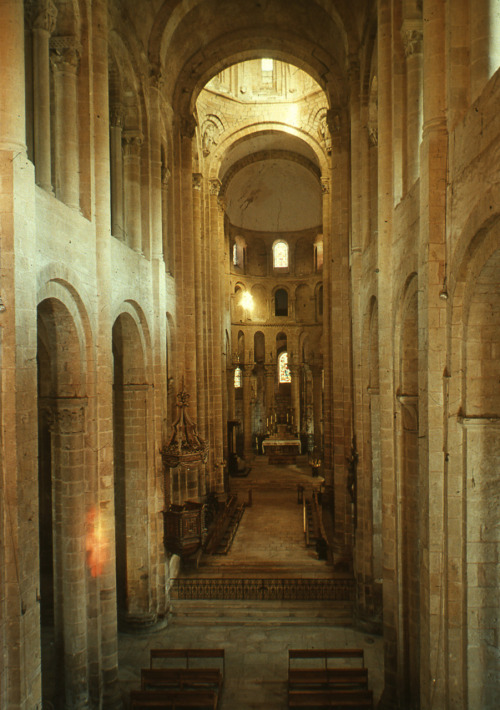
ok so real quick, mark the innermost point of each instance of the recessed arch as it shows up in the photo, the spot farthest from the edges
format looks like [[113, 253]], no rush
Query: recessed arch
[[321, 48]]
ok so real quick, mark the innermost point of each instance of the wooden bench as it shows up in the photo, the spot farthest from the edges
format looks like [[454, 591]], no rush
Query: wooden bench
[[172, 700], [188, 656], [302, 678], [340, 686], [345, 699], [325, 654], [181, 679]]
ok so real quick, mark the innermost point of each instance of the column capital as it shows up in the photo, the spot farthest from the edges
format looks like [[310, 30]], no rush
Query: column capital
[[325, 185], [412, 35], [65, 416], [187, 126], [248, 369], [156, 80], [197, 181], [65, 53], [215, 186], [132, 141], [44, 14]]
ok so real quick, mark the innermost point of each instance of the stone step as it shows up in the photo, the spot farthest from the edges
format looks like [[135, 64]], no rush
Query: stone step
[[228, 613]]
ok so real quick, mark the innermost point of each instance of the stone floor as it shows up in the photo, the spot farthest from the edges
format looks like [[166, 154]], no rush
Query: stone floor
[[256, 635]]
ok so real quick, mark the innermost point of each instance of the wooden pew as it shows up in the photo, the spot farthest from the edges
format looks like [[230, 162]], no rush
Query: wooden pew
[[341, 686], [325, 654], [187, 656], [345, 699], [172, 700], [302, 678], [181, 679]]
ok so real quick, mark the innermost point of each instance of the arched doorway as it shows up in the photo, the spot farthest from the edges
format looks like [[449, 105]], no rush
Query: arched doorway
[[131, 432], [62, 429]]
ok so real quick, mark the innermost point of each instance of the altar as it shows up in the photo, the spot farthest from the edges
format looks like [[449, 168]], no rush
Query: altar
[[281, 446], [281, 450]]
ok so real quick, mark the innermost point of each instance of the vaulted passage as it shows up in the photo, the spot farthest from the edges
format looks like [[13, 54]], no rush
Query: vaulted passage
[[249, 343]]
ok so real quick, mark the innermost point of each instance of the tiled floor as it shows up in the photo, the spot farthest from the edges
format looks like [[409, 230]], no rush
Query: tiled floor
[[256, 636]]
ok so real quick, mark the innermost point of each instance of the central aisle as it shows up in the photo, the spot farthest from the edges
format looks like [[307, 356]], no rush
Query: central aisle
[[270, 537]]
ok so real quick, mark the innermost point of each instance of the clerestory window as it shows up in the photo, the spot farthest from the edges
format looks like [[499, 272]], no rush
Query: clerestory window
[[280, 255], [284, 372]]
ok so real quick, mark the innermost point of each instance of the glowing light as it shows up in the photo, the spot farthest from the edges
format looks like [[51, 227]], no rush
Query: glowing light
[[96, 544], [247, 301]]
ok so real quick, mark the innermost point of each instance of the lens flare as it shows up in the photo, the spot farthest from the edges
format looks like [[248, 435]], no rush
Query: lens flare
[[247, 301], [96, 543]]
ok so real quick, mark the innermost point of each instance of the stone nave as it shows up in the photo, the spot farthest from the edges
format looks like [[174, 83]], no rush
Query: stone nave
[[289, 210]]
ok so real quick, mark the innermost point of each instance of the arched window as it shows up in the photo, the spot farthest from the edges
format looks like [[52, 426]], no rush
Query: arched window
[[284, 372], [237, 377], [280, 255], [281, 302]]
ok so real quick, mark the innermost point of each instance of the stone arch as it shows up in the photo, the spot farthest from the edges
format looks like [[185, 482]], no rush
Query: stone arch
[[240, 134], [58, 282], [259, 347], [62, 435], [281, 302], [240, 346], [474, 443], [128, 144], [239, 254], [136, 312], [237, 310], [132, 409]]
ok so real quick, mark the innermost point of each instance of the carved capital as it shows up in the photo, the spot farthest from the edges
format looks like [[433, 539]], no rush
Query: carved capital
[[334, 119], [215, 186], [64, 53], [221, 203], [187, 126], [197, 181], [156, 77], [65, 416], [132, 141], [44, 16], [325, 185], [413, 37]]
